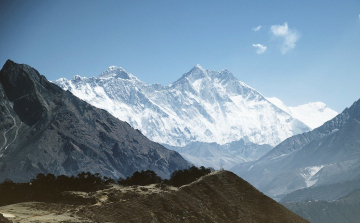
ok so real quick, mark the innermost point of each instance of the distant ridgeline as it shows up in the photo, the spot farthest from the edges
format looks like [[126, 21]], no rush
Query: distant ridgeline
[[329, 154]]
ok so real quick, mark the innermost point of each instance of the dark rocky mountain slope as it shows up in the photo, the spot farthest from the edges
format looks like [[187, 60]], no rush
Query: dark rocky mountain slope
[[344, 210], [328, 192], [46, 129], [327, 155]]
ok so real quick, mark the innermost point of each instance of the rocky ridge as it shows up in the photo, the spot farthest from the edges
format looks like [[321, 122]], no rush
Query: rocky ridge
[[326, 155], [46, 129]]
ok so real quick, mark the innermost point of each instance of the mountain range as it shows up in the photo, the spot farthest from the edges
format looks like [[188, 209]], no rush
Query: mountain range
[[204, 108], [328, 155], [46, 129]]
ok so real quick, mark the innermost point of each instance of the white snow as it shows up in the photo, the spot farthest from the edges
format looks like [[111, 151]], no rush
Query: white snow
[[313, 114], [213, 107], [250, 167], [279, 104], [282, 155], [308, 174], [203, 105]]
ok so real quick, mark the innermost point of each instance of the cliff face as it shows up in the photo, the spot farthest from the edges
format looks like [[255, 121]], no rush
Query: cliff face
[[46, 129]]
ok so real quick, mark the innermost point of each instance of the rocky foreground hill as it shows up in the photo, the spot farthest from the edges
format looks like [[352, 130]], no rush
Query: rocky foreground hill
[[44, 129], [218, 197]]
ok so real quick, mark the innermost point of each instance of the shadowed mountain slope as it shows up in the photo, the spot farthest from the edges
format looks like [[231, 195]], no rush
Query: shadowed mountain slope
[[344, 210], [327, 155], [46, 129]]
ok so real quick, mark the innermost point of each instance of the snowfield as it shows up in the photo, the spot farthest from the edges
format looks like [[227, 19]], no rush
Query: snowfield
[[202, 106]]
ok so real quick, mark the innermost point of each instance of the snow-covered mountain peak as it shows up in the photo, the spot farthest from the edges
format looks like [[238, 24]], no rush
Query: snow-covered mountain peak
[[113, 68], [77, 78], [192, 80], [199, 78], [60, 81], [198, 66], [197, 69], [116, 72], [313, 114], [279, 104], [222, 76], [320, 106], [196, 73], [203, 105]]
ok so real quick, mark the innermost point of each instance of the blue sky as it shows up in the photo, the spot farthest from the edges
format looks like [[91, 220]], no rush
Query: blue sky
[[303, 51]]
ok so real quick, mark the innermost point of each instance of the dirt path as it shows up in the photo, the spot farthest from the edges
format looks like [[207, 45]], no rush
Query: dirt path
[[27, 212]]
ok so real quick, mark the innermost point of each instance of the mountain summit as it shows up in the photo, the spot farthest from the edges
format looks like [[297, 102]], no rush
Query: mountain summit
[[313, 114], [116, 72], [203, 105], [46, 129]]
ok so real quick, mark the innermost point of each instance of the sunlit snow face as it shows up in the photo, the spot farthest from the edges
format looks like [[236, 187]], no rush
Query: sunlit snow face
[[203, 105]]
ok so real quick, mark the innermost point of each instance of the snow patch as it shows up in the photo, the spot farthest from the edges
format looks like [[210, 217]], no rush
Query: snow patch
[[251, 167], [308, 174]]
